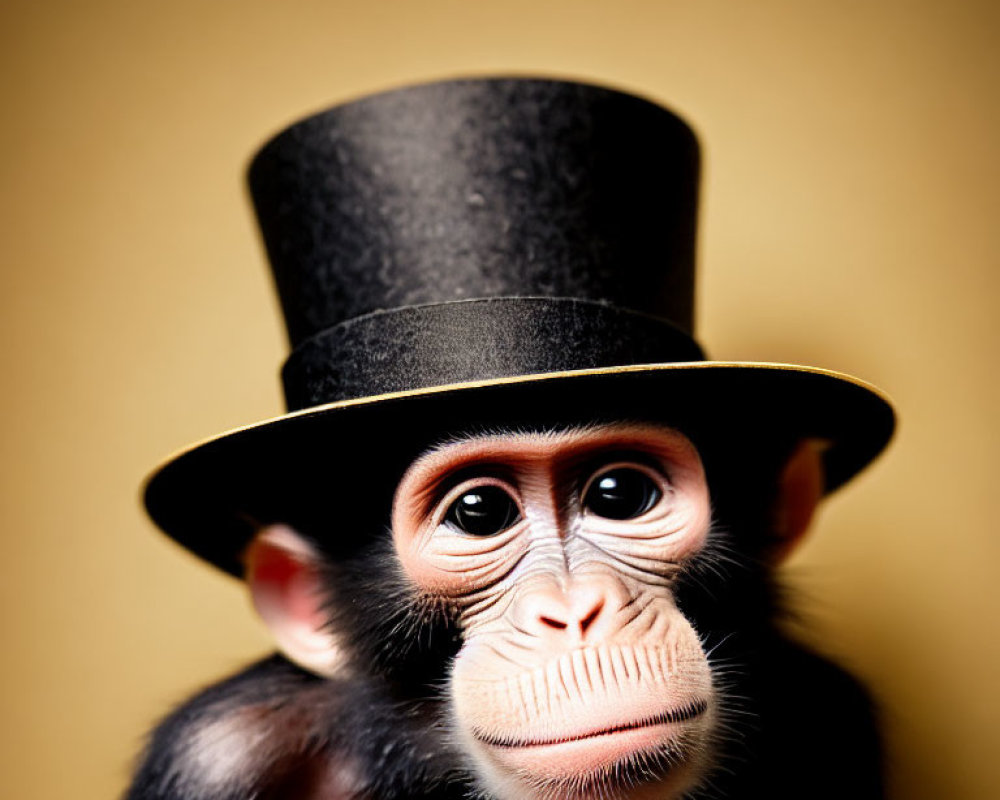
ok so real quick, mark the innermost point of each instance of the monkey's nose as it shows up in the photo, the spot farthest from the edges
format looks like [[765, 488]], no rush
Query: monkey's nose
[[581, 612]]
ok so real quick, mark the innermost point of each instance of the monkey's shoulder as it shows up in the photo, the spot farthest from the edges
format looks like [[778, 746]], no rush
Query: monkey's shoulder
[[253, 734], [275, 731], [816, 733]]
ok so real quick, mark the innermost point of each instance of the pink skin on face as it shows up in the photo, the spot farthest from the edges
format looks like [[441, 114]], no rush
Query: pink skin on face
[[576, 665]]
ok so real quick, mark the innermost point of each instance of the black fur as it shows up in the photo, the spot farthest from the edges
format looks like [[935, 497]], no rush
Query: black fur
[[397, 746]]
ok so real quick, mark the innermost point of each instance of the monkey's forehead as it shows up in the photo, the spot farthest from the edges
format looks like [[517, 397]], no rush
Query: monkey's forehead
[[549, 434], [552, 444]]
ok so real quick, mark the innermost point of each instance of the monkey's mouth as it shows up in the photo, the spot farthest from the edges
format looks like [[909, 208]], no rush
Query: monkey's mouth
[[673, 716]]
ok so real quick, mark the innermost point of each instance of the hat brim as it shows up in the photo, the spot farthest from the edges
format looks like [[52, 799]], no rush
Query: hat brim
[[342, 460]]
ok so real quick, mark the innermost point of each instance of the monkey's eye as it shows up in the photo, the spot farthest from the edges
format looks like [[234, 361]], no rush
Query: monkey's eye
[[483, 511], [621, 493]]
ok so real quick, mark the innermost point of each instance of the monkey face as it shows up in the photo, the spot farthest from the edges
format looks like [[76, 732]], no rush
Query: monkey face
[[558, 554]]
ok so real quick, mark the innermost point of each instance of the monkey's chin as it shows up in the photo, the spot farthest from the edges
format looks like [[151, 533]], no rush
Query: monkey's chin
[[616, 761]]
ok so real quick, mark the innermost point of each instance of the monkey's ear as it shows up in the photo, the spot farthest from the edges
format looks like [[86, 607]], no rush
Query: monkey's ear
[[800, 488], [284, 574]]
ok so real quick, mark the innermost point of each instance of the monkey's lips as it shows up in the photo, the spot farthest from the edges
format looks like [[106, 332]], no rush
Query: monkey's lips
[[597, 749]]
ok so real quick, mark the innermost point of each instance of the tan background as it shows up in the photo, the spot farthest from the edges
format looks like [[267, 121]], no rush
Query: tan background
[[850, 200]]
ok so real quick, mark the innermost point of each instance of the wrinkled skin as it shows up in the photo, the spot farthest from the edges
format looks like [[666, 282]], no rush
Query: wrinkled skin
[[577, 669]]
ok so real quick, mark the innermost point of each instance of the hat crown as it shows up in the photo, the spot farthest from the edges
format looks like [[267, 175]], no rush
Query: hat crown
[[564, 215], [480, 189]]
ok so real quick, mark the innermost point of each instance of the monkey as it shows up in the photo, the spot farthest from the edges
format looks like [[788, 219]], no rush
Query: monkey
[[572, 610]]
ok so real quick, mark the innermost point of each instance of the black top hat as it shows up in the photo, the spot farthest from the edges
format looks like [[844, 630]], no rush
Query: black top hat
[[475, 253]]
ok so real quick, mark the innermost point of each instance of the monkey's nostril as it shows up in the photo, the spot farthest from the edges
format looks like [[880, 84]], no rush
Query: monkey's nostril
[[588, 620], [554, 623]]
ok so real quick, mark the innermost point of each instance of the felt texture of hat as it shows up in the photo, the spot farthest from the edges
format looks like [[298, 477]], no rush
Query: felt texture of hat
[[479, 255]]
